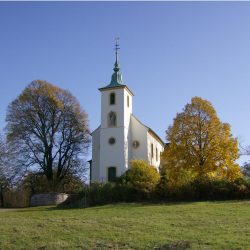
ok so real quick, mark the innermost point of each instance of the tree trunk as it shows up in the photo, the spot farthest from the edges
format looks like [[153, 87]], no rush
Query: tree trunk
[[1, 196]]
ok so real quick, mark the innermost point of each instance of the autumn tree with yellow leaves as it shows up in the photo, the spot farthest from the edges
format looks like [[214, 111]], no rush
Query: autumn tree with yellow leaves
[[49, 131], [200, 146]]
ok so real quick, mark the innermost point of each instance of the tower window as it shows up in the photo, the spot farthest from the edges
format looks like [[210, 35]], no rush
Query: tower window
[[152, 150], [156, 154], [112, 119], [128, 101], [111, 140], [136, 144], [112, 99], [111, 174]]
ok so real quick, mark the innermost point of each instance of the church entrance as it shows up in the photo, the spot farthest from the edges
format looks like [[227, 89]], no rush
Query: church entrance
[[111, 174]]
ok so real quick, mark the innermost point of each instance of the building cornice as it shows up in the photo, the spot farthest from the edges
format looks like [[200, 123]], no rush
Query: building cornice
[[116, 87]]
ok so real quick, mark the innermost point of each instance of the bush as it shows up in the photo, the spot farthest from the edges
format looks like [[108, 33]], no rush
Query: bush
[[205, 189], [16, 198], [38, 183], [137, 184], [142, 183], [101, 194], [141, 176]]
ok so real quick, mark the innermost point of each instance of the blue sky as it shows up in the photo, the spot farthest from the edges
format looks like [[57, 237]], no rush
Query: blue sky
[[170, 52]]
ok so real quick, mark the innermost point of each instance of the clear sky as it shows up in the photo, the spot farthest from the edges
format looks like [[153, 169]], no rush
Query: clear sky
[[170, 52]]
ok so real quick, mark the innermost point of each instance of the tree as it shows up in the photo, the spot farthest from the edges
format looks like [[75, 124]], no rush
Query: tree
[[2, 175], [200, 146], [2, 151], [49, 130], [142, 176], [7, 171], [245, 151], [37, 183], [246, 169]]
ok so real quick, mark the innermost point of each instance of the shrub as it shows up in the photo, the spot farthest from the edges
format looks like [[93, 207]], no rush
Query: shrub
[[101, 194], [207, 189], [38, 183], [137, 184], [16, 198], [141, 176], [143, 183]]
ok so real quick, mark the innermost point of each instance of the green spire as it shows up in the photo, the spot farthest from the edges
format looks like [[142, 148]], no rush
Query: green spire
[[116, 76]]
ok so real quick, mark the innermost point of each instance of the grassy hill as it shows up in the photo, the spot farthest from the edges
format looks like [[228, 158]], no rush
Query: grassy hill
[[201, 225]]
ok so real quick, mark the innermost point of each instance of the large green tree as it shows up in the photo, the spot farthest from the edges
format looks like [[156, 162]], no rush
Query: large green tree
[[49, 130], [200, 146]]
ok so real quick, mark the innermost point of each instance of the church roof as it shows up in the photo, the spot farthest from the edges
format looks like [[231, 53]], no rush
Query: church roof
[[151, 131], [95, 130], [116, 79]]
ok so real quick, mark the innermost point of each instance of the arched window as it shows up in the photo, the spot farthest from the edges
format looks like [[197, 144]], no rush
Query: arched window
[[111, 174], [112, 99], [112, 119]]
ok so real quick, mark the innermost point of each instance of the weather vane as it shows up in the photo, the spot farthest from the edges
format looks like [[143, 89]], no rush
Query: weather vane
[[116, 43]]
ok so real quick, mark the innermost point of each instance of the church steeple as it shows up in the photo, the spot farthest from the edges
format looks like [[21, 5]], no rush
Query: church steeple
[[116, 68], [116, 78]]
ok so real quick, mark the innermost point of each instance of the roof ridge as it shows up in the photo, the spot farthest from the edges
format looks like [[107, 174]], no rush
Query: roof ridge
[[149, 129]]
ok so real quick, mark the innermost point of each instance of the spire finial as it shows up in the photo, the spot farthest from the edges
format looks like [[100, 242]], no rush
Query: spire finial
[[116, 78], [116, 68]]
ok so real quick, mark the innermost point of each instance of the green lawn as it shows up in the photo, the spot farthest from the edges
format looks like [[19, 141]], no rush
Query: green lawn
[[203, 225]]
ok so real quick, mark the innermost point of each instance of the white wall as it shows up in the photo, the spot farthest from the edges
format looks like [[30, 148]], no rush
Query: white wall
[[114, 155], [120, 107], [111, 155], [152, 140], [141, 133], [138, 132], [128, 129]]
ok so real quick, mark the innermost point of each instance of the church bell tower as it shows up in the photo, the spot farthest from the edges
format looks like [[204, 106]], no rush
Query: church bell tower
[[116, 109], [121, 137]]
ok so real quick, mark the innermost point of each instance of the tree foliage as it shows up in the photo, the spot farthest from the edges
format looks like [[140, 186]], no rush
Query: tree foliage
[[37, 183], [142, 176], [6, 171], [200, 146], [246, 169], [49, 130], [2, 176]]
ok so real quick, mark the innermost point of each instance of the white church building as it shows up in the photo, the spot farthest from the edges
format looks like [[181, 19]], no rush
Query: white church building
[[121, 137]]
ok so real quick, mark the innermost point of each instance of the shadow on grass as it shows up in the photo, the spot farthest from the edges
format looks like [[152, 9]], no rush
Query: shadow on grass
[[179, 245], [31, 209], [124, 205], [116, 205]]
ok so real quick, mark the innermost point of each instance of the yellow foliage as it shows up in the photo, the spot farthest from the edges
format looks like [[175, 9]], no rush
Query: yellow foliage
[[142, 176], [43, 90], [200, 146]]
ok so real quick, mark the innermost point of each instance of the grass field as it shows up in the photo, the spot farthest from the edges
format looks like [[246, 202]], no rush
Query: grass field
[[201, 225]]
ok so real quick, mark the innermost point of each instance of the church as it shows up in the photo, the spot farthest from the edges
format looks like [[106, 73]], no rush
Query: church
[[121, 137]]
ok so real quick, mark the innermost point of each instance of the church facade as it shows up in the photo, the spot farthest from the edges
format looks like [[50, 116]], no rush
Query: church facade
[[121, 137]]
